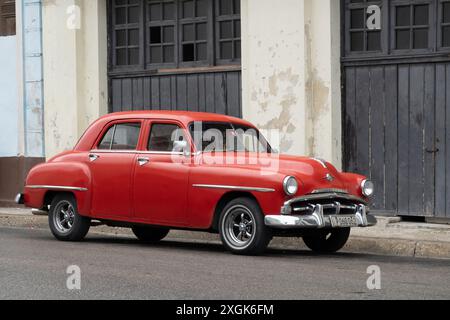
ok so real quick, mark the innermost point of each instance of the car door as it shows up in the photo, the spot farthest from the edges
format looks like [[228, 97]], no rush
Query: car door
[[161, 175], [111, 163]]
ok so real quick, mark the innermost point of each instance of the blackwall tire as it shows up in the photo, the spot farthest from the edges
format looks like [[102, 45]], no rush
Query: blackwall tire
[[65, 222], [150, 234], [242, 228], [327, 241]]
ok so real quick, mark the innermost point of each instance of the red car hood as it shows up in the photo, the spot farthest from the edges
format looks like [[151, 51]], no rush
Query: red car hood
[[311, 173]]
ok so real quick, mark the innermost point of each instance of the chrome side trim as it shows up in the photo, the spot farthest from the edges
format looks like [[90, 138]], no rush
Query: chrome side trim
[[55, 187], [136, 152], [242, 188], [111, 151]]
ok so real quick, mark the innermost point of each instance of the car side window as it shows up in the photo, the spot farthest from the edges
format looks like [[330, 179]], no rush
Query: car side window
[[122, 136], [105, 143], [166, 137]]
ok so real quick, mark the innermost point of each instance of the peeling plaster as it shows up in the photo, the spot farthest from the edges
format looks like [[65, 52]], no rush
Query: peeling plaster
[[54, 127], [282, 82]]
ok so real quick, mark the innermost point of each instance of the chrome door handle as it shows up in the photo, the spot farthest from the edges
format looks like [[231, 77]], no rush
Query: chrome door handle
[[93, 157], [142, 160]]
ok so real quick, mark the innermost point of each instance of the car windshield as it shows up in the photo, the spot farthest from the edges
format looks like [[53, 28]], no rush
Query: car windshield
[[227, 137]]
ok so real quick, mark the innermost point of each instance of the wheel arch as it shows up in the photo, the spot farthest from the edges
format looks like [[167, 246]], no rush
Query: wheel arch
[[51, 194], [224, 200]]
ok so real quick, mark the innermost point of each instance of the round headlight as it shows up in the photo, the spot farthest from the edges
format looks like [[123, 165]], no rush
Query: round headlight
[[290, 185], [367, 188]]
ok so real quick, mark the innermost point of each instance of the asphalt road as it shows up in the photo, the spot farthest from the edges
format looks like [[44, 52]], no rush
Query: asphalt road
[[33, 266]]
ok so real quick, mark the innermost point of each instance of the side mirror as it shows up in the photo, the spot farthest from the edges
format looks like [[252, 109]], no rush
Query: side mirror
[[181, 146]]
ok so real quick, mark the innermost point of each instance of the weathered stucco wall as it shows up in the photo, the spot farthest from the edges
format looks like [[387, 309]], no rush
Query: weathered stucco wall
[[291, 73], [323, 82], [273, 71], [75, 69]]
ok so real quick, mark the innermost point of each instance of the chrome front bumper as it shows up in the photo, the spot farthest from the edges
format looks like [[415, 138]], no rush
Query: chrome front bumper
[[317, 219]]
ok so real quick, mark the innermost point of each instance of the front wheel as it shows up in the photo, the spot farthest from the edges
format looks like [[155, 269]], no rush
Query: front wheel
[[327, 241], [64, 220], [150, 234], [242, 229]]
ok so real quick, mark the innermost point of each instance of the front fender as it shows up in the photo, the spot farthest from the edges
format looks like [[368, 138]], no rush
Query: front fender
[[203, 200], [74, 177]]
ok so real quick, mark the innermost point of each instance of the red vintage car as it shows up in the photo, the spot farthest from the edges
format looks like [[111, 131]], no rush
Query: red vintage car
[[154, 171]]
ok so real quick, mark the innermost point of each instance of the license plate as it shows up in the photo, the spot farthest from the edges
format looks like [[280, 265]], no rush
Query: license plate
[[343, 221]]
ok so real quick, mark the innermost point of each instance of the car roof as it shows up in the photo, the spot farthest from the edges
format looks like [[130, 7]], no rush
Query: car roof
[[185, 117]]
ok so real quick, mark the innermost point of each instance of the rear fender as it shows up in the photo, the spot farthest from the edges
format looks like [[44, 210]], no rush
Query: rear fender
[[73, 177]]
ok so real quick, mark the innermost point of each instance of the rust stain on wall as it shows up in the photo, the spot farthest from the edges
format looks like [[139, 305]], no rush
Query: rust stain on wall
[[317, 93]]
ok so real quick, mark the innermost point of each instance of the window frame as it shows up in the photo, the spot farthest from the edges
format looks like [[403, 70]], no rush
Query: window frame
[[209, 61], [147, 24], [347, 7], [441, 24], [148, 132], [145, 65], [388, 39], [221, 18], [113, 27], [111, 124], [393, 28]]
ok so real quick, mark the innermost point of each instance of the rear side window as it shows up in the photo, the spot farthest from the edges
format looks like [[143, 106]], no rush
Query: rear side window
[[122, 136], [163, 137]]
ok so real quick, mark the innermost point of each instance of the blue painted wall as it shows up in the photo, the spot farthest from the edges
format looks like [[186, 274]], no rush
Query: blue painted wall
[[33, 78], [8, 97]]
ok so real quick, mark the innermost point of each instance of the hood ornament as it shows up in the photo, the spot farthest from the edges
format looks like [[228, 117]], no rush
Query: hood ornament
[[329, 177]]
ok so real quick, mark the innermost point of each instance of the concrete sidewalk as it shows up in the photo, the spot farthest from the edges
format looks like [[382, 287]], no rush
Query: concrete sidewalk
[[390, 236]]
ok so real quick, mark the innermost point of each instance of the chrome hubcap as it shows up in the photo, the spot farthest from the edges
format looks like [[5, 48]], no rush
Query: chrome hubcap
[[239, 227], [64, 216]]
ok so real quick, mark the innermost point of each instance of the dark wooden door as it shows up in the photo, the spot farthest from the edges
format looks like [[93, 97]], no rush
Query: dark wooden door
[[396, 106], [395, 132]]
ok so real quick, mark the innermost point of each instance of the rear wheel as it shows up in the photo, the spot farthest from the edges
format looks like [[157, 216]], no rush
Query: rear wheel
[[150, 234], [327, 241], [64, 220], [242, 229]]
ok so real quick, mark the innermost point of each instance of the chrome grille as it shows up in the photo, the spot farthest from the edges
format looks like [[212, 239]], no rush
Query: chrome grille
[[333, 202], [335, 207]]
